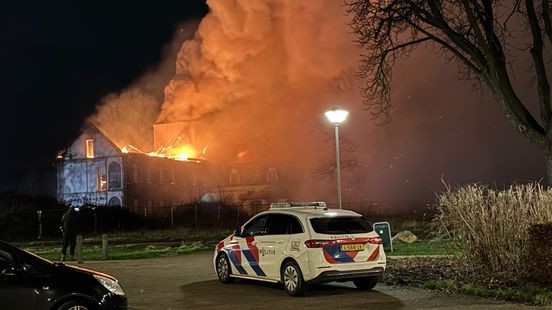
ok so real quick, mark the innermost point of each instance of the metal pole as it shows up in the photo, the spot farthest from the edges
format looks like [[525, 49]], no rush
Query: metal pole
[[172, 217], [338, 167], [39, 213], [218, 214], [95, 220], [195, 215]]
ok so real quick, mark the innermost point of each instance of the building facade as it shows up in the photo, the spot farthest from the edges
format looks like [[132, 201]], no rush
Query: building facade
[[94, 171], [90, 171]]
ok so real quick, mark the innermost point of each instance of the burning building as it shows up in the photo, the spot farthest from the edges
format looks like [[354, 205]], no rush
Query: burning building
[[95, 171], [244, 94]]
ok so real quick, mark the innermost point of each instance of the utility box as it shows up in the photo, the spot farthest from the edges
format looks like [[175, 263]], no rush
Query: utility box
[[384, 230]]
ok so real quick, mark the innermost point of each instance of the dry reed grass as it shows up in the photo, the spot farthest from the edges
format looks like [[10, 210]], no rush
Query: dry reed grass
[[491, 226]]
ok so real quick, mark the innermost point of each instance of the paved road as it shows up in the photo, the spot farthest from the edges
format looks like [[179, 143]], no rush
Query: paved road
[[189, 282]]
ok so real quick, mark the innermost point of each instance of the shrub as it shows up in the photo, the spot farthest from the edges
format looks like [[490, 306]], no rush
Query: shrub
[[539, 253], [491, 226]]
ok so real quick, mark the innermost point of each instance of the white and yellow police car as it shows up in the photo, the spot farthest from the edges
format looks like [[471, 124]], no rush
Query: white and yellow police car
[[301, 243]]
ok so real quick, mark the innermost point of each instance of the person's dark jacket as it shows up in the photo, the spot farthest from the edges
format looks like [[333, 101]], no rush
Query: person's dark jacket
[[71, 222]]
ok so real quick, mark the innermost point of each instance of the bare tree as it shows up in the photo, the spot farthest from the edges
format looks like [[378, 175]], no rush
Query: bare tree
[[475, 33], [345, 81]]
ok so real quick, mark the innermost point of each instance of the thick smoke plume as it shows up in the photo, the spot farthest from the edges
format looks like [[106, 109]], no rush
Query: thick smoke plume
[[256, 51], [254, 81], [255, 78], [126, 117]]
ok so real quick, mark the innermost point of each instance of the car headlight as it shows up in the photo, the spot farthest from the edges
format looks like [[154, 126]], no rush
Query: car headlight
[[112, 285]]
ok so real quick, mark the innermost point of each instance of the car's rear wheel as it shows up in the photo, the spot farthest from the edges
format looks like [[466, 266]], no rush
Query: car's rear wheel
[[292, 278], [366, 283], [76, 305], [223, 269]]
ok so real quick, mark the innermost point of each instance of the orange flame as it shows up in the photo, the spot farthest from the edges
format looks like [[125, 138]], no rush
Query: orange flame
[[242, 154], [181, 152]]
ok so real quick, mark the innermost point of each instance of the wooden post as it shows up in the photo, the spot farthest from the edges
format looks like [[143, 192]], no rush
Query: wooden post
[[79, 249], [104, 247]]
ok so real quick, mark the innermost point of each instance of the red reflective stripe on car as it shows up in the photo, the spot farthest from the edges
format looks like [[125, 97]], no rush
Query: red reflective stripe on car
[[374, 254], [237, 251], [353, 254], [253, 248], [220, 245]]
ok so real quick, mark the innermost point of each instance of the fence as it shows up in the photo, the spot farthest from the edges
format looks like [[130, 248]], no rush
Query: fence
[[94, 220]]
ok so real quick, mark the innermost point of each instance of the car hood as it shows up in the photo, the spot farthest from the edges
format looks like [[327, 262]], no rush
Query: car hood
[[69, 268]]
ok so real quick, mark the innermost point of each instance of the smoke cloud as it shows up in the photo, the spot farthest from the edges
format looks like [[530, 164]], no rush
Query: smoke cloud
[[256, 77], [127, 116], [256, 51]]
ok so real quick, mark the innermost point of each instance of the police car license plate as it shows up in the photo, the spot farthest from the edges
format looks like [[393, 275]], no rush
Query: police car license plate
[[352, 247]]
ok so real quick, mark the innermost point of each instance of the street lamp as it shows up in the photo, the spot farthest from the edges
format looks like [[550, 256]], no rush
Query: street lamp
[[337, 116]]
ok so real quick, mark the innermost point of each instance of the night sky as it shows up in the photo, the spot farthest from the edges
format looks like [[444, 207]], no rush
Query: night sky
[[58, 59]]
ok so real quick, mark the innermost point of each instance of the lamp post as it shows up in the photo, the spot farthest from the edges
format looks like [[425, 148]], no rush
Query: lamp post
[[337, 116]]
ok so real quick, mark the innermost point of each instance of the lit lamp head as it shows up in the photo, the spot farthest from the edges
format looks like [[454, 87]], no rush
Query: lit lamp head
[[336, 116]]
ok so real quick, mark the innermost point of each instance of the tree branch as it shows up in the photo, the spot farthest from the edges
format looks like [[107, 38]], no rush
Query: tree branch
[[546, 18], [451, 49], [465, 45], [543, 87]]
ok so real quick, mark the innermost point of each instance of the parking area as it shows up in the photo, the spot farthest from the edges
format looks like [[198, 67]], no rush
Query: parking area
[[189, 281]]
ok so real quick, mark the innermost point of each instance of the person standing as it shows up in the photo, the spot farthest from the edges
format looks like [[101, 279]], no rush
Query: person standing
[[70, 222]]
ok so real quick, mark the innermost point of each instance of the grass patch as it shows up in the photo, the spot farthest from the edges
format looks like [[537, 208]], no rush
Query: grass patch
[[136, 244], [446, 285], [528, 293], [126, 251], [170, 235], [425, 247], [177, 234]]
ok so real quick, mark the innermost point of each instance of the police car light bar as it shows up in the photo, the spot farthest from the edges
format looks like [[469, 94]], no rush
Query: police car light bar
[[313, 204]]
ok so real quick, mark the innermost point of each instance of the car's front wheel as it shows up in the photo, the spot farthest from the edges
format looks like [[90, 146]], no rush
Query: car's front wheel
[[292, 278], [223, 269], [366, 283], [76, 305]]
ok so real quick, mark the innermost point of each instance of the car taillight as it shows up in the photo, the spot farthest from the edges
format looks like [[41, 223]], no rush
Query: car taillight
[[376, 240], [319, 243]]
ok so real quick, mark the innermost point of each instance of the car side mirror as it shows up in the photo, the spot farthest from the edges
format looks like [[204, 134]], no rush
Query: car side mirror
[[237, 232]]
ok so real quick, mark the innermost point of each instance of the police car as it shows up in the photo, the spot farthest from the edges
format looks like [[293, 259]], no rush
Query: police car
[[303, 243]]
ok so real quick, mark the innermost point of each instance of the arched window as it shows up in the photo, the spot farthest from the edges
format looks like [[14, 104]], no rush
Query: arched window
[[271, 175], [114, 202], [114, 176], [234, 177]]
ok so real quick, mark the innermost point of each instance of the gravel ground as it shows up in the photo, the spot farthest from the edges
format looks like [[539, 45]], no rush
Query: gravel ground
[[189, 282]]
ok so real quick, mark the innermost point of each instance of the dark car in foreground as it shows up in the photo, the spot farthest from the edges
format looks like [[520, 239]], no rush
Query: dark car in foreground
[[30, 282]]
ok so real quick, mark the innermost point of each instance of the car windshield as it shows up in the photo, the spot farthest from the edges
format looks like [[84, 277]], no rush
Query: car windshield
[[340, 225]]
